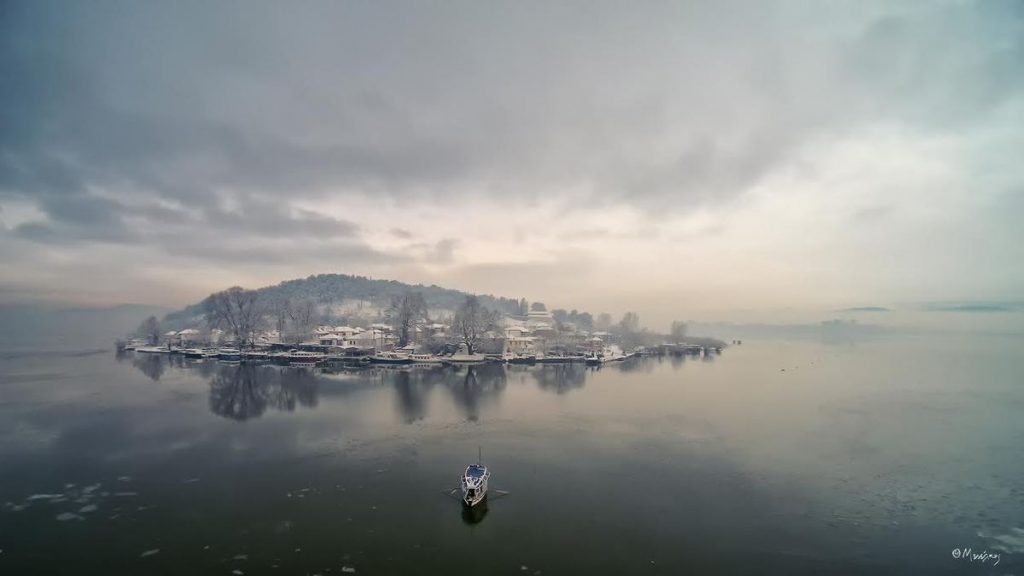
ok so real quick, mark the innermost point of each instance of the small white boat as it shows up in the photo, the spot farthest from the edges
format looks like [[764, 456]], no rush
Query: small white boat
[[391, 358], [210, 353], [151, 349], [466, 358], [474, 484]]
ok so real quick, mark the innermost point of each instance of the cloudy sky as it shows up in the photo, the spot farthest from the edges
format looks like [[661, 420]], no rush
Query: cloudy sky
[[694, 160]]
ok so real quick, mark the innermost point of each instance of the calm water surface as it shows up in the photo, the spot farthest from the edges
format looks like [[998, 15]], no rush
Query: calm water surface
[[775, 457]]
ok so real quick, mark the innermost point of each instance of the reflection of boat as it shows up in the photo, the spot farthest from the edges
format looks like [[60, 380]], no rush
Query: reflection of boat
[[474, 514], [391, 358], [233, 354], [474, 484]]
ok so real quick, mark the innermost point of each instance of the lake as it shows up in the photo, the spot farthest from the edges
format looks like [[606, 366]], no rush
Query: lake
[[797, 457]]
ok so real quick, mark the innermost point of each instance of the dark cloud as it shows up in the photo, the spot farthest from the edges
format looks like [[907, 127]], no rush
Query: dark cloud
[[213, 131], [665, 106]]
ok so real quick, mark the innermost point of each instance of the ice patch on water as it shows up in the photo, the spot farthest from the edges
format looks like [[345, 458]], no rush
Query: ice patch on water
[[65, 516], [123, 494], [88, 508], [93, 488], [190, 481], [1012, 542], [237, 572], [348, 570], [124, 478], [43, 497], [240, 557], [149, 553]]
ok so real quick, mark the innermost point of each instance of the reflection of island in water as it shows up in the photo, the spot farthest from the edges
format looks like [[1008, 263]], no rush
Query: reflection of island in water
[[470, 387], [244, 391]]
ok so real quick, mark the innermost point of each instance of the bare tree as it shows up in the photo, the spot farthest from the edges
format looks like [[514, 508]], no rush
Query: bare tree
[[604, 321], [150, 330], [238, 312], [471, 322], [678, 331], [301, 315], [630, 322], [406, 311], [279, 309]]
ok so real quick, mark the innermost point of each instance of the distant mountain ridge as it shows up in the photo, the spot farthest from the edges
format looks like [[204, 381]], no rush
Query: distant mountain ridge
[[334, 289]]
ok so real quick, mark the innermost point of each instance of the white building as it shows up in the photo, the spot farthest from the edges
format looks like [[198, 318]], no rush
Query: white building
[[521, 345], [537, 318]]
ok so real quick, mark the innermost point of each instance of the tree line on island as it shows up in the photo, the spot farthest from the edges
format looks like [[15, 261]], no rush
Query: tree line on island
[[294, 313]]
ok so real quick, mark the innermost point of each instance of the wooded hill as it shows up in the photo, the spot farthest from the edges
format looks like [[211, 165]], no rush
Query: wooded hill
[[332, 289]]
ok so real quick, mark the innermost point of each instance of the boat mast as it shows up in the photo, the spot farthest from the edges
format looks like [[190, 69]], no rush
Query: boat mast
[[479, 455]]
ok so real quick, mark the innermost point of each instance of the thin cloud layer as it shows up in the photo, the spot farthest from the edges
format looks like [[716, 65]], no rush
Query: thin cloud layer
[[432, 142]]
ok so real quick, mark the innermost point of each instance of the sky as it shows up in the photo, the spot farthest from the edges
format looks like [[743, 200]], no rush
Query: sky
[[710, 160]]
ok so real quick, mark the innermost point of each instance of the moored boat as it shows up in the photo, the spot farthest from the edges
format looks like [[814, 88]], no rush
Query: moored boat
[[255, 356], [425, 359], [466, 359], [151, 349], [513, 358], [302, 357], [391, 358], [474, 484], [559, 359], [193, 352], [231, 354]]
